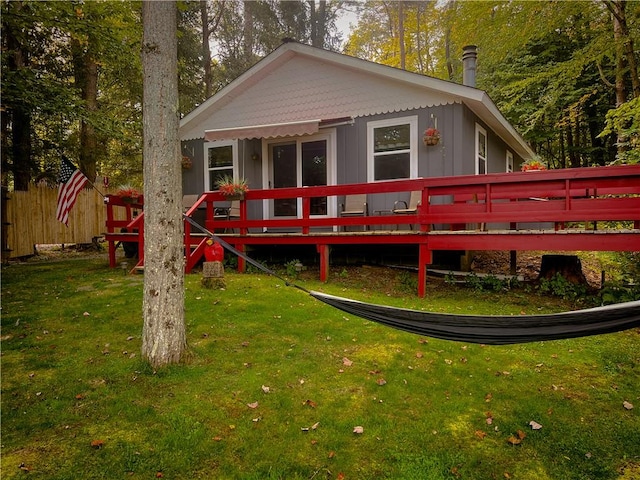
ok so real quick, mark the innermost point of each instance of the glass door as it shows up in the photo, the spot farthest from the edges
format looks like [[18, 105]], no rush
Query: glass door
[[285, 174], [298, 163]]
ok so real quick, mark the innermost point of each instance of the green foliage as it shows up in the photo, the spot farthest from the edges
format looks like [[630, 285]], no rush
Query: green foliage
[[624, 122], [560, 286], [293, 268]]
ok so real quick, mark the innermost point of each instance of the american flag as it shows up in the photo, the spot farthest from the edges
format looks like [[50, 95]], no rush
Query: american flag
[[71, 181]]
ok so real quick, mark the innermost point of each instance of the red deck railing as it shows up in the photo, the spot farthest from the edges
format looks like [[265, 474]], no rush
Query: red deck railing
[[476, 212]]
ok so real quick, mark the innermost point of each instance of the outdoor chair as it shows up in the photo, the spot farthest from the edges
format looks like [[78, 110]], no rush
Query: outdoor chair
[[355, 206], [232, 212], [400, 207]]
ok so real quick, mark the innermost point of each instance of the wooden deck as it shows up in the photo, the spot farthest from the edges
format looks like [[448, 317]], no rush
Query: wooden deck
[[594, 209]]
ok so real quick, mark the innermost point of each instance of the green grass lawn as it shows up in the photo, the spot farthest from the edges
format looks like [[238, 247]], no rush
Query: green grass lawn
[[276, 382]]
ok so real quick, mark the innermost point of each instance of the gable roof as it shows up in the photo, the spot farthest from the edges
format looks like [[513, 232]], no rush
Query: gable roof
[[302, 85]]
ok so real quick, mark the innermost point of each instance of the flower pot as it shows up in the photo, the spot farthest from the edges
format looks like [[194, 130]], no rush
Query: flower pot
[[430, 140], [130, 199], [235, 196]]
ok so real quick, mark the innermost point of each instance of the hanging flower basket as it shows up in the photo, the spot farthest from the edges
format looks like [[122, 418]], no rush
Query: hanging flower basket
[[187, 163], [431, 136], [232, 189]]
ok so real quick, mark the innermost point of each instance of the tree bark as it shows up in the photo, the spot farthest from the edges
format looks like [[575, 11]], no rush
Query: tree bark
[[206, 50], [163, 336], [20, 114], [86, 79]]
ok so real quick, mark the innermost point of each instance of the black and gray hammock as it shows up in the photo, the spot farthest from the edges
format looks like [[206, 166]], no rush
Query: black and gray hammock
[[488, 330]]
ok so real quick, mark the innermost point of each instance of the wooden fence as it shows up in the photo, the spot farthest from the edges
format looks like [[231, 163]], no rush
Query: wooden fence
[[29, 219]]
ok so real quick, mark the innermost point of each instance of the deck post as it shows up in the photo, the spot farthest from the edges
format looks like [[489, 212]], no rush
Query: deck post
[[424, 259], [242, 264], [324, 250]]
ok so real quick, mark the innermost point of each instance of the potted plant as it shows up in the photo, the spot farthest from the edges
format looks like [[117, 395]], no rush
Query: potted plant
[[128, 194], [186, 162], [431, 136], [534, 164], [232, 189]]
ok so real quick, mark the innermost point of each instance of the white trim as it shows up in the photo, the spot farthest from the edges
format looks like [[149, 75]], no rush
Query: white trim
[[412, 121], [234, 159], [477, 154], [509, 162]]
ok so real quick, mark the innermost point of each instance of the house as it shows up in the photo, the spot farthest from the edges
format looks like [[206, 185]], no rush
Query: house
[[305, 116]]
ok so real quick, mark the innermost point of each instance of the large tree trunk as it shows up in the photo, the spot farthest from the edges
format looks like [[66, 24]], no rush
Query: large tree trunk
[[206, 49], [22, 164], [86, 79], [163, 336]]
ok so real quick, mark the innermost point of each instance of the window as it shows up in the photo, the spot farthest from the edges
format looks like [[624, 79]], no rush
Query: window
[[221, 159], [481, 150], [392, 147], [509, 165]]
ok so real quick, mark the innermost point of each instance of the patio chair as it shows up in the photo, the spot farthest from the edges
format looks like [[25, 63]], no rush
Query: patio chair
[[355, 206], [400, 207]]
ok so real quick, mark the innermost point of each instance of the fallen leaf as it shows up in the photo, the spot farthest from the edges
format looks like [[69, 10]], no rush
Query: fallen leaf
[[517, 438], [419, 355], [252, 405], [447, 361], [332, 454], [159, 475], [489, 418], [265, 389], [346, 362], [359, 430], [217, 439], [381, 381], [24, 468], [86, 314], [315, 425], [310, 403], [480, 434], [340, 476], [97, 443], [488, 397], [79, 396], [535, 425], [627, 405]]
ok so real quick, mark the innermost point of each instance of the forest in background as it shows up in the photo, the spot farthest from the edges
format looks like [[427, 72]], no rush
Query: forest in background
[[563, 73]]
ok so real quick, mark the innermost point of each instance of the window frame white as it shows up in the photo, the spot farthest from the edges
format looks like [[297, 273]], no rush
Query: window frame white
[[477, 154], [412, 121], [234, 159], [509, 162]]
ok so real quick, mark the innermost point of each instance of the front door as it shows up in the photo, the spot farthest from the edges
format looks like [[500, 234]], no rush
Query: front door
[[301, 162]]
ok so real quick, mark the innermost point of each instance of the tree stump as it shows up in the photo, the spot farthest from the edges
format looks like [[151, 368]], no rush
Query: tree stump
[[213, 275], [568, 266]]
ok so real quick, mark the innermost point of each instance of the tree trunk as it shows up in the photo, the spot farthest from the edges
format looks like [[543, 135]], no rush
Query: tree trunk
[[20, 114], [86, 79], [403, 54], [163, 336], [206, 49]]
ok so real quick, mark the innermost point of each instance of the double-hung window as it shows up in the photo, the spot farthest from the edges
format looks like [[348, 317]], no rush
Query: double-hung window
[[392, 149], [221, 160], [481, 150]]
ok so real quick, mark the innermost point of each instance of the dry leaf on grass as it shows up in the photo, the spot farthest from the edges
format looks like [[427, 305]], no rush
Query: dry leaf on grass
[[346, 362], [252, 405], [627, 405], [535, 425], [359, 430], [517, 438]]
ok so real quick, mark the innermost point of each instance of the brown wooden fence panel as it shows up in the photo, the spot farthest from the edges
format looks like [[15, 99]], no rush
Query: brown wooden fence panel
[[31, 219]]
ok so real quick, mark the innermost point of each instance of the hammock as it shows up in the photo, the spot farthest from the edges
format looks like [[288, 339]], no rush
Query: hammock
[[484, 329], [495, 329]]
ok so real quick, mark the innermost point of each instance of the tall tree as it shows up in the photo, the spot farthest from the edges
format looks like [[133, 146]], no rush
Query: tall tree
[[163, 337]]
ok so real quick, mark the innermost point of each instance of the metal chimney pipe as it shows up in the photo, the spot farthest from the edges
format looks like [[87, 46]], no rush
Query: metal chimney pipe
[[469, 57]]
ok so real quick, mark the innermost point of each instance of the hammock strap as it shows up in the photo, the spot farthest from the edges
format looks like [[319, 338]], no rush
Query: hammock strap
[[242, 255]]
